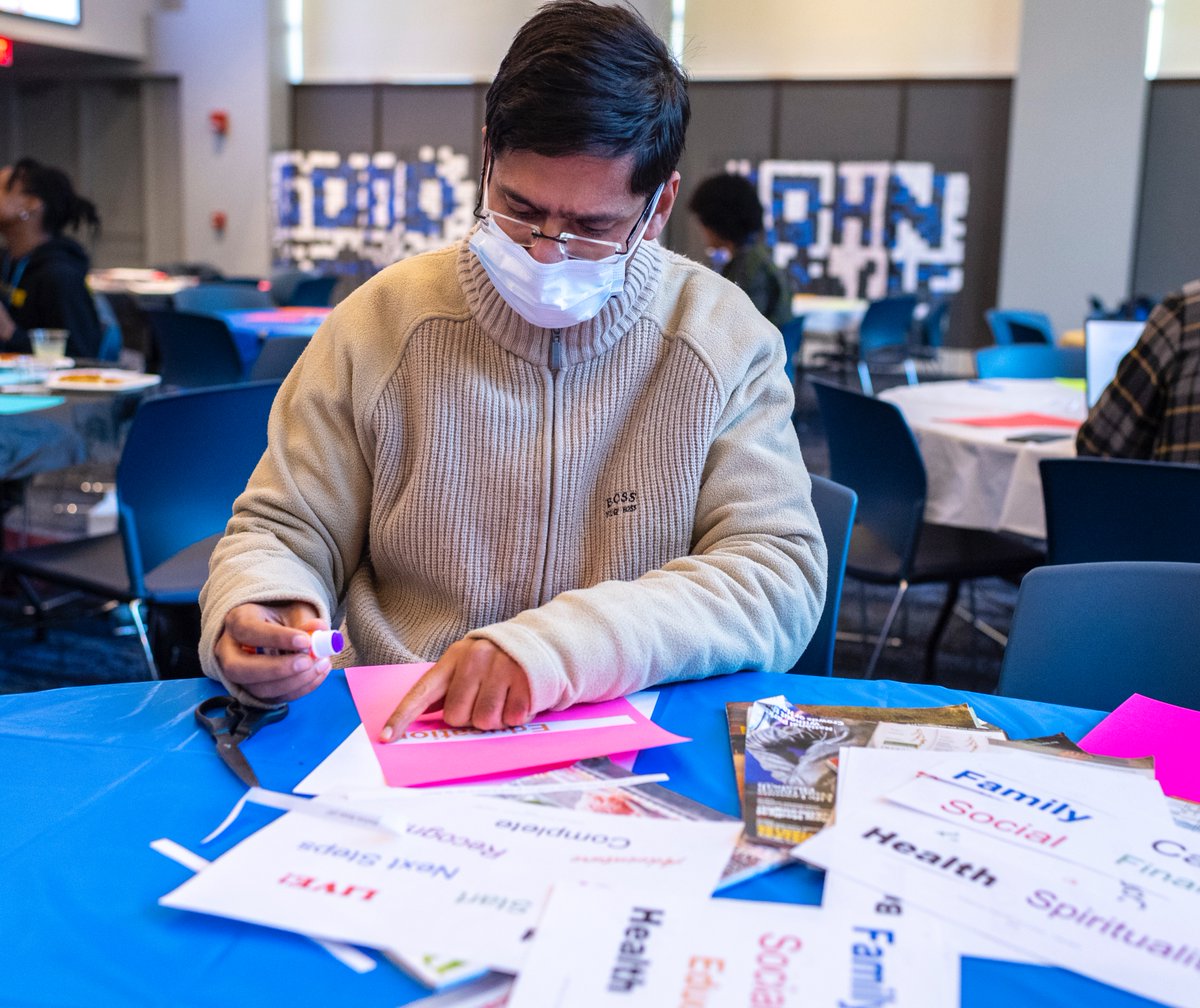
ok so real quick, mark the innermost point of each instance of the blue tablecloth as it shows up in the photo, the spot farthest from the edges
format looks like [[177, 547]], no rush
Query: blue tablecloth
[[93, 774], [39, 440], [251, 327]]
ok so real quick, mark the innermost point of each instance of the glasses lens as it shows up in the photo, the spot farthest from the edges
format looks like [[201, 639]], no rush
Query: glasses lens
[[585, 248], [574, 248], [518, 232]]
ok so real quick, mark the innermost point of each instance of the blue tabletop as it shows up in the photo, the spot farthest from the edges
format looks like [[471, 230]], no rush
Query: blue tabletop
[[93, 774]]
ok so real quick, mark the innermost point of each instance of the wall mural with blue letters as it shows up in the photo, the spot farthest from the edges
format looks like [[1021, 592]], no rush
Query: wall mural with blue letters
[[346, 212], [864, 228], [856, 228]]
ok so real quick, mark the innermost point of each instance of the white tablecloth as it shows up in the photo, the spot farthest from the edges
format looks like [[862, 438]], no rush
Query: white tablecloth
[[977, 478]]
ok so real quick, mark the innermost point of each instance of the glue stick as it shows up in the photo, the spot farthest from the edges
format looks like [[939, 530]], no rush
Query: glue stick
[[325, 644]]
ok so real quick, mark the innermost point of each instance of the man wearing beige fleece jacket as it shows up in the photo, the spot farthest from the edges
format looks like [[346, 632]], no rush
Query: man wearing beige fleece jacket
[[554, 459]]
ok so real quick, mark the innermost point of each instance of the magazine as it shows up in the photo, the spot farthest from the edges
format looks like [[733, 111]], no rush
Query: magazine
[[785, 756]]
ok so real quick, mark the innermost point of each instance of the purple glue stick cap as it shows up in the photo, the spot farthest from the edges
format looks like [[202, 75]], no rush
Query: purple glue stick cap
[[326, 643]]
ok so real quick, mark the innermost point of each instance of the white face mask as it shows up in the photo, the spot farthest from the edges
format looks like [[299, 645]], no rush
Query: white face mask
[[550, 295]]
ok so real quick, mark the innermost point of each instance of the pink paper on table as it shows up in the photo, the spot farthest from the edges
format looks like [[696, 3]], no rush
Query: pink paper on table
[[1015, 420], [1145, 727], [377, 689]]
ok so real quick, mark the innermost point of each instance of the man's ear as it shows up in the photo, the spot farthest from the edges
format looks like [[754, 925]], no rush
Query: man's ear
[[662, 212]]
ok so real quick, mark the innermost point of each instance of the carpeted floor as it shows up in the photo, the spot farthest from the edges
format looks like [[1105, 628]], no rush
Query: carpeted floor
[[101, 648]]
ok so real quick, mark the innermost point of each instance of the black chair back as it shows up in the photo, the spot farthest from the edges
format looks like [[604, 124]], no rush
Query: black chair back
[[1102, 509], [195, 350], [872, 451]]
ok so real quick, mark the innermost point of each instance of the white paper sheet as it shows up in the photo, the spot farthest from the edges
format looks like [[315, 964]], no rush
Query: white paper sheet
[[455, 873], [599, 947], [1048, 805], [1063, 912], [864, 776], [893, 952]]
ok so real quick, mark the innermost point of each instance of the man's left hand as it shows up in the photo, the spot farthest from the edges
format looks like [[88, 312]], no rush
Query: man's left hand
[[474, 683]]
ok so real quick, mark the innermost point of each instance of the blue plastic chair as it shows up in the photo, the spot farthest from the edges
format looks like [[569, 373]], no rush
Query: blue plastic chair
[[1012, 326], [111, 337], [1090, 635], [1030, 360], [835, 506], [195, 350], [884, 338], [187, 456], [215, 297], [1100, 509], [873, 451]]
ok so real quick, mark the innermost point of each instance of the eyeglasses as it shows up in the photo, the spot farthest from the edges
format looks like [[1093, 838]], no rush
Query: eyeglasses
[[573, 246]]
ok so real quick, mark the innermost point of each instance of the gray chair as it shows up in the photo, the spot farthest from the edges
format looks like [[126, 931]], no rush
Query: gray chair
[[835, 506], [278, 355], [1090, 635]]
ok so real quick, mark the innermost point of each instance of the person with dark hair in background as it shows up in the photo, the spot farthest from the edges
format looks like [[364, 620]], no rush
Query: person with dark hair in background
[[43, 274], [554, 459], [731, 218]]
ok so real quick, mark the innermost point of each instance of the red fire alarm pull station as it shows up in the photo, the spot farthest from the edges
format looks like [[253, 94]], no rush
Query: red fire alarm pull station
[[218, 221], [218, 119]]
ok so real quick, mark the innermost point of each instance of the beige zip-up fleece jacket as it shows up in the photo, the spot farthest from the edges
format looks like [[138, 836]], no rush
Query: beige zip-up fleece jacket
[[614, 504]]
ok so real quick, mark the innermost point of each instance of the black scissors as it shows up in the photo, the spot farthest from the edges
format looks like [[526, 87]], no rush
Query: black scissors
[[230, 724]]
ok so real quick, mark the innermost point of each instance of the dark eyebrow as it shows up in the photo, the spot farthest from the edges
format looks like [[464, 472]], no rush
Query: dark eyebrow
[[596, 222]]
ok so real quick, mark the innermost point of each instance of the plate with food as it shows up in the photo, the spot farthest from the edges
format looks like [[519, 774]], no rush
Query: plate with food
[[100, 380]]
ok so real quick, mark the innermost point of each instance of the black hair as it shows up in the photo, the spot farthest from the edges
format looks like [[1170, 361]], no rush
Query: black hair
[[62, 206], [729, 207], [589, 78]]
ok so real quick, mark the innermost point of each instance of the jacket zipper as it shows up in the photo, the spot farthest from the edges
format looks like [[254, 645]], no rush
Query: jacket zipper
[[556, 355]]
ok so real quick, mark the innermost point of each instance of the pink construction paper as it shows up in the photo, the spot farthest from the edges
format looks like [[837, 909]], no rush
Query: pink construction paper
[[377, 689], [1145, 727], [1015, 420]]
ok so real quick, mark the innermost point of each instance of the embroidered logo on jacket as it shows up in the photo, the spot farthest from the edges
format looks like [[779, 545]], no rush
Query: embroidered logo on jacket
[[620, 502]]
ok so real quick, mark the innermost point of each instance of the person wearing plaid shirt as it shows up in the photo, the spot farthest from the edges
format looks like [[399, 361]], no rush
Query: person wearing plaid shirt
[[1151, 409]]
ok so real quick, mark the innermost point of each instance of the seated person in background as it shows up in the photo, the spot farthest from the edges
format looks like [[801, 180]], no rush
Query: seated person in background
[[554, 458], [731, 218], [43, 274], [1151, 409]]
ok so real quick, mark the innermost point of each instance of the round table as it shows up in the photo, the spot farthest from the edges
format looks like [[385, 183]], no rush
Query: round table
[[978, 476]]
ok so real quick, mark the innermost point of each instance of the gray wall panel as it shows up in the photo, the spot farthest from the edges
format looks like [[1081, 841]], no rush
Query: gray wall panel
[[1168, 235], [338, 118], [110, 138], [831, 121], [411, 118], [729, 120], [963, 126], [47, 126]]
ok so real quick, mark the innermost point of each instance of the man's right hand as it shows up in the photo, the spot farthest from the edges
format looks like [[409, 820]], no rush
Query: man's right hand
[[283, 627]]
